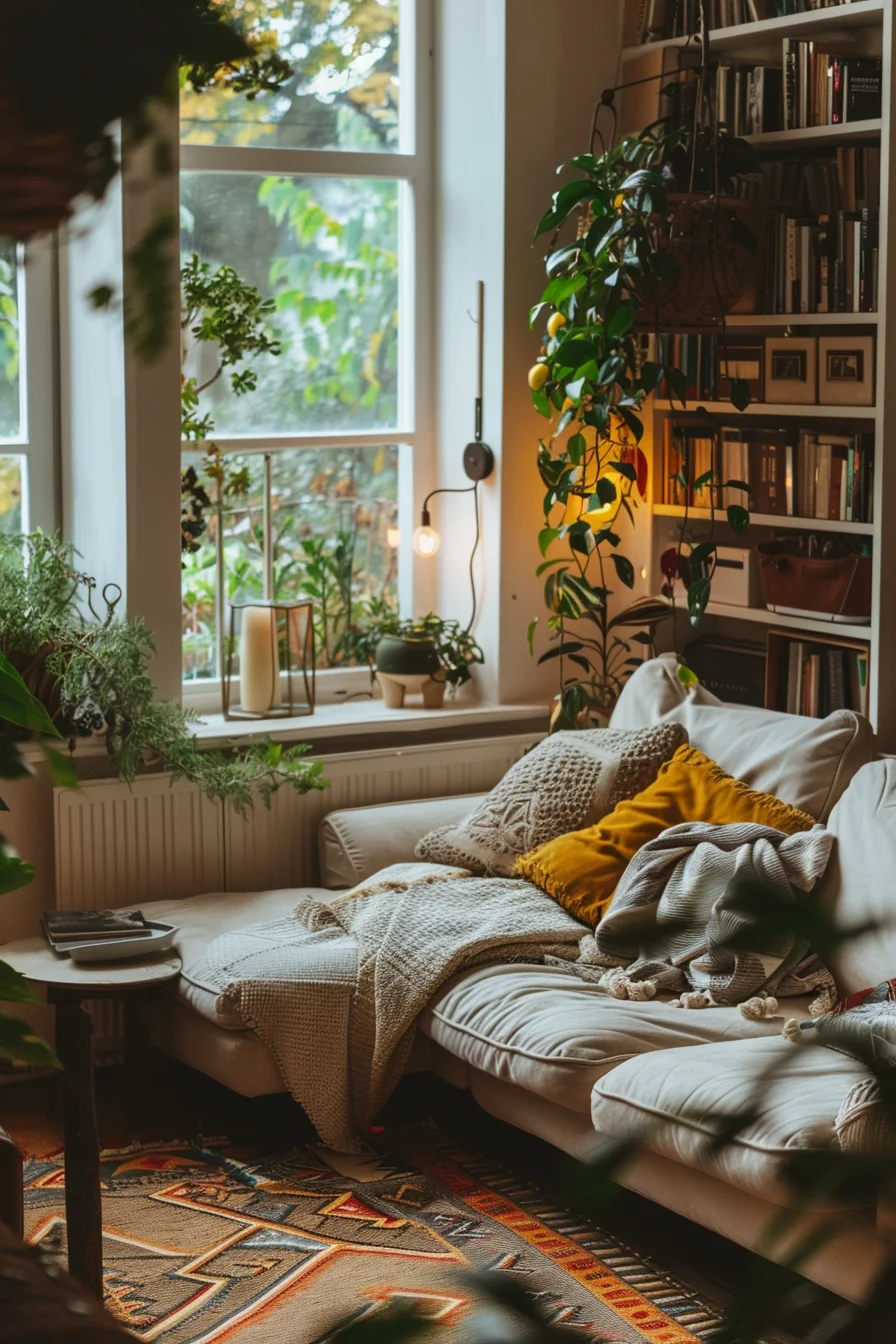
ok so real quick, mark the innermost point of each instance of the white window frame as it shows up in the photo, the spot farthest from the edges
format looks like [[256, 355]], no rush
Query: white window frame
[[38, 438], [411, 166]]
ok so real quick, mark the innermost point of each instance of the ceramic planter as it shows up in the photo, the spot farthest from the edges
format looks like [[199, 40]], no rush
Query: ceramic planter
[[409, 663]]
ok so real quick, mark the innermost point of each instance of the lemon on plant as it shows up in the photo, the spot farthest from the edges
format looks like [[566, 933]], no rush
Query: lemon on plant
[[555, 322], [538, 376]]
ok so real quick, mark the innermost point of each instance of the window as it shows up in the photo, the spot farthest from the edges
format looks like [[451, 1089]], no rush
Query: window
[[316, 196], [27, 386]]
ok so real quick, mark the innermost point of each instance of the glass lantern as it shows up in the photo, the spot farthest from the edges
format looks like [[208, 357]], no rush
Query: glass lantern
[[269, 669]]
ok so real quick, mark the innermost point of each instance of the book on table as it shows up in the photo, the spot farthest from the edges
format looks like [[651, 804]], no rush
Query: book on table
[[65, 927]]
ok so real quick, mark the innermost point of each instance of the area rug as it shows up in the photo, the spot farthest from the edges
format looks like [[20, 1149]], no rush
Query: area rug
[[210, 1242]]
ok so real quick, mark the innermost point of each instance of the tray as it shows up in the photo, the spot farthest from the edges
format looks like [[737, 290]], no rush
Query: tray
[[126, 949]]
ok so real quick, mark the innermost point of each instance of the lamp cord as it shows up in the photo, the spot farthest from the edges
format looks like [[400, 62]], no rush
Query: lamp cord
[[464, 490]]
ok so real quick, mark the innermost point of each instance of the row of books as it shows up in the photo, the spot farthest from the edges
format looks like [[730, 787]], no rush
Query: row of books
[[805, 475], [656, 20], [811, 88], [822, 89], [822, 679], [824, 264]]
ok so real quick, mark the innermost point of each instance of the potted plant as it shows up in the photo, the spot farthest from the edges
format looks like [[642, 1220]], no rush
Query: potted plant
[[650, 215], [88, 669], [428, 655]]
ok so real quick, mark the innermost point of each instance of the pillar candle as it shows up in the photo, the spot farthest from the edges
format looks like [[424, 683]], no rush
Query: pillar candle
[[259, 660]]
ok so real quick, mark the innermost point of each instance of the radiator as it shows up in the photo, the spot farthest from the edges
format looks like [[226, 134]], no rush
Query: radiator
[[161, 840]]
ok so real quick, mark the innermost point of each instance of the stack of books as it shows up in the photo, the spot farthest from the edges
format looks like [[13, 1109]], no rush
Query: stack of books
[[823, 233], [796, 474], [823, 678], [810, 88], [66, 928], [656, 20]]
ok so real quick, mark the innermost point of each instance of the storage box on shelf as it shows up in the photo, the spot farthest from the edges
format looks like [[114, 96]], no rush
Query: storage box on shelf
[[821, 469]]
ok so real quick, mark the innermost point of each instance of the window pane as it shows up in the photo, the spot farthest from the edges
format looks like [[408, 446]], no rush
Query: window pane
[[343, 93], [332, 510], [326, 251], [10, 412], [12, 492]]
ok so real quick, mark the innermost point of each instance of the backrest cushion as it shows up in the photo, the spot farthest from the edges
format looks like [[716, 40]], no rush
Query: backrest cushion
[[806, 762], [569, 780], [860, 882], [357, 842], [582, 870]]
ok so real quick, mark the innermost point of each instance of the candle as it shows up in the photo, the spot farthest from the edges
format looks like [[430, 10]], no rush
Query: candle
[[259, 660]]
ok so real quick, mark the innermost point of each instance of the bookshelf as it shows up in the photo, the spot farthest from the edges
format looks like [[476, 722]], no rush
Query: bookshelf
[[863, 28]]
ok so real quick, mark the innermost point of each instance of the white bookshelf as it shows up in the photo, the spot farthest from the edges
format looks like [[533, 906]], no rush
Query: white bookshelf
[[866, 28]]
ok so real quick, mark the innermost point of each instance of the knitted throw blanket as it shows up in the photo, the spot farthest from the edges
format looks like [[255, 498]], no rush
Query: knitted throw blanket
[[681, 917], [335, 990]]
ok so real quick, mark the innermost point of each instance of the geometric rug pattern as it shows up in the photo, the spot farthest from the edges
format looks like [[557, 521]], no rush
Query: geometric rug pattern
[[210, 1242]]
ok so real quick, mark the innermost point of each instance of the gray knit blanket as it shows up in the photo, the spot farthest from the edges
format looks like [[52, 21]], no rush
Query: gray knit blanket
[[335, 990], [681, 918]]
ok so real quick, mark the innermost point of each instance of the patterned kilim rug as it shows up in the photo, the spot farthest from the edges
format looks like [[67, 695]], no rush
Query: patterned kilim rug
[[213, 1243]]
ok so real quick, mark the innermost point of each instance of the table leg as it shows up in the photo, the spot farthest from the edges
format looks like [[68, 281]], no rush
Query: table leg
[[83, 1205]]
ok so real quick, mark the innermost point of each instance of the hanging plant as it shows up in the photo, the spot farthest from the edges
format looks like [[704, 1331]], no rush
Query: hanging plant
[[654, 230]]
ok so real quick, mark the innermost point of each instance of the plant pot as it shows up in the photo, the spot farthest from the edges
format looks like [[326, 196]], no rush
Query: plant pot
[[409, 663], [716, 271]]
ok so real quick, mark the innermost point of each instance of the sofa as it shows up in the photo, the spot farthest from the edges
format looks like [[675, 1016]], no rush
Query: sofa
[[558, 1058]]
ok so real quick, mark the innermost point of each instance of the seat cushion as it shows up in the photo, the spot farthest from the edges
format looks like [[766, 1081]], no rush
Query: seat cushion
[[200, 920], [547, 1031], [676, 1101], [806, 762]]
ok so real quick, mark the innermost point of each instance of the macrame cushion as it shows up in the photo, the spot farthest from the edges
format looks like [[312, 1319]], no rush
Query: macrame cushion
[[568, 781]]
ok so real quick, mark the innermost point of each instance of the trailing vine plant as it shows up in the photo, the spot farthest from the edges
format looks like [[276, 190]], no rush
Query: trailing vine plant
[[636, 245]]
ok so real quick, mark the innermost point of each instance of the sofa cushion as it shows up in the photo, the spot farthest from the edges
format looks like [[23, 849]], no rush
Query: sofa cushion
[[806, 762], [569, 780], [359, 841], [858, 885], [201, 919], [676, 1100], [582, 870], [545, 1030]]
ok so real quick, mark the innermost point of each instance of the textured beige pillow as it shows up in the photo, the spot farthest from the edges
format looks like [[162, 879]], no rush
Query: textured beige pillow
[[567, 782]]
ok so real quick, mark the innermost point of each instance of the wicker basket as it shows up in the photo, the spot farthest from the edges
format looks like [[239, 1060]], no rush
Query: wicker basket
[[41, 173], [716, 272]]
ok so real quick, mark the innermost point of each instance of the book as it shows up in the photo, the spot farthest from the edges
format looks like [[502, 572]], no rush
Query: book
[[81, 926], [864, 86]]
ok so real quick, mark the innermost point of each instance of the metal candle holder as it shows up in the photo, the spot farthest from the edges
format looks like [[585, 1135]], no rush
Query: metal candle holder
[[291, 633]]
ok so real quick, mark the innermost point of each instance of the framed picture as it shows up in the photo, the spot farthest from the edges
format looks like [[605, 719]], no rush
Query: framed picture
[[791, 374], [846, 370], [740, 360]]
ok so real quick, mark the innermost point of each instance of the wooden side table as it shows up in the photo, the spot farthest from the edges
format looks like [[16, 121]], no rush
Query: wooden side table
[[69, 988]]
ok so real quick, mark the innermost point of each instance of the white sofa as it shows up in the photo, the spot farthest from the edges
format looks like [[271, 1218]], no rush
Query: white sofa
[[558, 1058]]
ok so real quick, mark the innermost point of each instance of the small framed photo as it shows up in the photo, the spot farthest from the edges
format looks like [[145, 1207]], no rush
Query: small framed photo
[[740, 361], [846, 370], [791, 372]]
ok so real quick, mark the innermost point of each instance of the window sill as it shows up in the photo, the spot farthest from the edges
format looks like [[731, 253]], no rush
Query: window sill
[[369, 718]]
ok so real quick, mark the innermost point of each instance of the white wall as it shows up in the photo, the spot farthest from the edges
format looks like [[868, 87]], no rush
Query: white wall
[[516, 84]]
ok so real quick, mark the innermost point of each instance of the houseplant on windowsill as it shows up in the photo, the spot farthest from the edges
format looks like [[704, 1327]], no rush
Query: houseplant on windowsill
[[88, 669], [429, 655]]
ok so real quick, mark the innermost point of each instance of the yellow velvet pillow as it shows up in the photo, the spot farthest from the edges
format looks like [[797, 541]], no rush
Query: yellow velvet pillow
[[582, 870]]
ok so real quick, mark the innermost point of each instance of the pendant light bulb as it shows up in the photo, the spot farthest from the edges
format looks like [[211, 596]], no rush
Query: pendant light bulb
[[426, 542]]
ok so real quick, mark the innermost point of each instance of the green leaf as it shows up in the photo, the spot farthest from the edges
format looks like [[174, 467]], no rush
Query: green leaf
[[634, 424], [14, 988], [739, 518], [705, 478], [546, 565], [574, 352], [541, 403], [604, 493], [546, 538], [530, 636], [651, 375], [18, 705], [621, 322], [687, 677], [576, 448], [624, 568], [698, 597], [678, 384], [740, 394], [626, 469], [18, 1041], [14, 872], [62, 772], [12, 763], [574, 390]]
